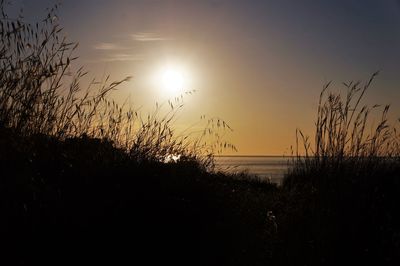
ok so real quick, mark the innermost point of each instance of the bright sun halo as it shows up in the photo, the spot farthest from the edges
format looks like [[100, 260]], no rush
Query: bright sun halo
[[173, 80]]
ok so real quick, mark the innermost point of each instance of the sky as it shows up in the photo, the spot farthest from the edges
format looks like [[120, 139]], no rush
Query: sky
[[259, 65]]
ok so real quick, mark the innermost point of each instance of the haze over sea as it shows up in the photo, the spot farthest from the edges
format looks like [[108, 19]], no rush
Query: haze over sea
[[265, 167]]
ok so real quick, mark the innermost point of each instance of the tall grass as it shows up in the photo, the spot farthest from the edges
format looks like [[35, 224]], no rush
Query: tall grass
[[348, 134], [41, 94], [343, 188], [35, 67]]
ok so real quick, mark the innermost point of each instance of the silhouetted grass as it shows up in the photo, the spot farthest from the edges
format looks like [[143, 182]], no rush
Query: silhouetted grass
[[346, 186], [40, 94]]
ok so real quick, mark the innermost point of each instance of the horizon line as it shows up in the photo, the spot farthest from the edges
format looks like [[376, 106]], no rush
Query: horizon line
[[255, 155]]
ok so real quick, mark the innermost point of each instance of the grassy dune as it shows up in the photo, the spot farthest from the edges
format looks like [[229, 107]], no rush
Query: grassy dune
[[65, 199]]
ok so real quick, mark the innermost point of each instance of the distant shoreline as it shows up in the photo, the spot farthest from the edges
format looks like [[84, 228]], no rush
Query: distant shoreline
[[294, 156], [254, 156]]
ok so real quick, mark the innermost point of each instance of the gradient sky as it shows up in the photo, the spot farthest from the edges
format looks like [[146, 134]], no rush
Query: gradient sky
[[260, 65]]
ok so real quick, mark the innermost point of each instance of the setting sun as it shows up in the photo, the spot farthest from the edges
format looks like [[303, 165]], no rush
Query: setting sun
[[173, 80]]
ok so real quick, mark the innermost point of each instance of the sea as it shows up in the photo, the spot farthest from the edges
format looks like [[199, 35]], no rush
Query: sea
[[272, 168]]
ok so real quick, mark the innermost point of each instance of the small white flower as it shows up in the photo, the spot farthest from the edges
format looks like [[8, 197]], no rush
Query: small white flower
[[271, 220]]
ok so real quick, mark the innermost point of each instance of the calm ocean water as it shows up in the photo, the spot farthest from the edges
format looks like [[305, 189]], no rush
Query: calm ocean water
[[271, 167]]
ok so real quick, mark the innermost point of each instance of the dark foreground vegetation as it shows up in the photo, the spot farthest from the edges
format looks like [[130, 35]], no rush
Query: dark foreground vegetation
[[83, 180], [82, 199]]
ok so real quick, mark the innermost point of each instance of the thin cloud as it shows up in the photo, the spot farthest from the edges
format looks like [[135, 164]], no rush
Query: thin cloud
[[115, 52], [148, 37], [123, 57], [106, 46], [116, 58]]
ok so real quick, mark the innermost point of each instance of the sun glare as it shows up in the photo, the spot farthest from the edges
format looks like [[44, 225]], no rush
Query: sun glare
[[173, 80]]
